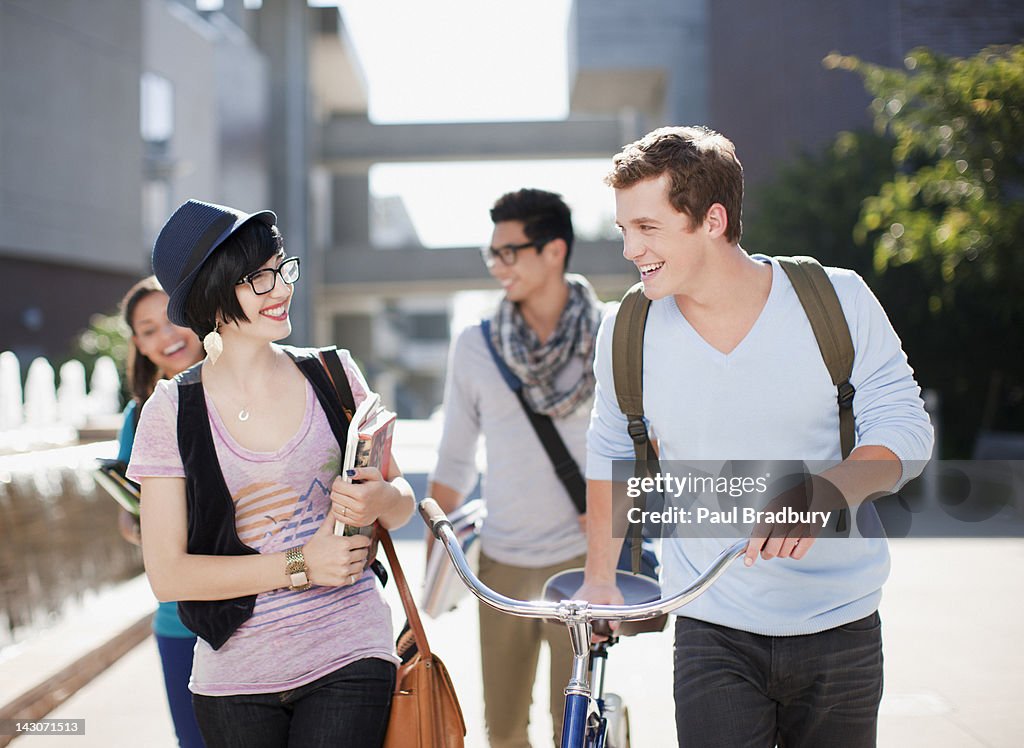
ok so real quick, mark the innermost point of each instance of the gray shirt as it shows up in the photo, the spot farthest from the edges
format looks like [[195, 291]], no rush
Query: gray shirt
[[531, 521]]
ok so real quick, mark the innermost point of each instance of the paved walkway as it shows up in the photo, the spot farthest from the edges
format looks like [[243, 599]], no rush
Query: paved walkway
[[953, 613]]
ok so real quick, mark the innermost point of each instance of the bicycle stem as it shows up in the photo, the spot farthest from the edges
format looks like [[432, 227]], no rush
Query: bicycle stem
[[579, 634]]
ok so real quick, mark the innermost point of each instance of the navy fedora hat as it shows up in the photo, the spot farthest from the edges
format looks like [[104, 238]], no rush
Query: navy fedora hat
[[187, 240]]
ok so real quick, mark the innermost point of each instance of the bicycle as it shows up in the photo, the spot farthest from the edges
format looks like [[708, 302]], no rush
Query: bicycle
[[593, 719]]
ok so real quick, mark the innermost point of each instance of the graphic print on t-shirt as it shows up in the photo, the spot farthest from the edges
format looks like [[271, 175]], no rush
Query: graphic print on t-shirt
[[269, 514]]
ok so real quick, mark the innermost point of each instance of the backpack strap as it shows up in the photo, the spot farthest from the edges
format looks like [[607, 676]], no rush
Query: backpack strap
[[821, 305], [628, 373], [565, 466], [336, 372]]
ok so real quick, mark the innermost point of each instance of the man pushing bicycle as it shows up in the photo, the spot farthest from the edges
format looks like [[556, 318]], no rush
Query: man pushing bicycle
[[738, 364]]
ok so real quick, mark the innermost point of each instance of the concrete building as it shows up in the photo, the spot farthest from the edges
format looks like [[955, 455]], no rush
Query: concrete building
[[753, 70], [71, 163], [149, 103], [113, 112]]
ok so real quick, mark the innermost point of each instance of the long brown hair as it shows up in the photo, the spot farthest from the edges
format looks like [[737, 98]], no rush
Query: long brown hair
[[142, 373]]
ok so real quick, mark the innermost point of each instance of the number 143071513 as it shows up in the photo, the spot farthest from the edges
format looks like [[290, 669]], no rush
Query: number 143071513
[[42, 726]]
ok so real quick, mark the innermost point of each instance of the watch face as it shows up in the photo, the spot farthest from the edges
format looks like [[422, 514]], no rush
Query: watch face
[[299, 579]]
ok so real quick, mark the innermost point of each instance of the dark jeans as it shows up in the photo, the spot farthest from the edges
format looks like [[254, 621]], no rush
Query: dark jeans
[[176, 658], [348, 707], [735, 689]]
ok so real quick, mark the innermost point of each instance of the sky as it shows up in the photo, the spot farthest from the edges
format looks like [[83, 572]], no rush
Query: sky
[[461, 60], [471, 60]]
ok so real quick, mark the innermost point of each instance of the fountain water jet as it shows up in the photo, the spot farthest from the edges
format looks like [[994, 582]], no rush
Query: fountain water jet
[[40, 395], [72, 401], [104, 388], [11, 413]]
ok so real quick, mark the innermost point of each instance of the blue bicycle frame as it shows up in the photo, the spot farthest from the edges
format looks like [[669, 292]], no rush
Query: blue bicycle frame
[[585, 724]]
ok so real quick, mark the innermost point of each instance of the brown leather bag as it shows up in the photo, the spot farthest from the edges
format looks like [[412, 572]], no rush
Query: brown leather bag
[[425, 711]]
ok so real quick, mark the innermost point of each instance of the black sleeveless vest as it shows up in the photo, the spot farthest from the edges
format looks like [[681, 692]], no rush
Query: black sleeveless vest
[[211, 510]]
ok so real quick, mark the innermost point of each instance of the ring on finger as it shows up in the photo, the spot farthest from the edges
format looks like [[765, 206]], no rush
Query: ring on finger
[[351, 579], [344, 511]]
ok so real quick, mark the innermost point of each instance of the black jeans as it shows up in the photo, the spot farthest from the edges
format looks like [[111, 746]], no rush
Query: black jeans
[[734, 689], [349, 707]]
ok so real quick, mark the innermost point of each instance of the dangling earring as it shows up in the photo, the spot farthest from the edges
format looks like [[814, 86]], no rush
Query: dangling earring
[[213, 343]]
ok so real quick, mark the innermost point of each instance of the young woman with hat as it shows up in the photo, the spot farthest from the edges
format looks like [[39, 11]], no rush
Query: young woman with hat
[[238, 458]]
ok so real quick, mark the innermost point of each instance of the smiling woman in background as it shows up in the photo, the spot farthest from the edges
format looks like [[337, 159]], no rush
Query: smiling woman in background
[[159, 350]]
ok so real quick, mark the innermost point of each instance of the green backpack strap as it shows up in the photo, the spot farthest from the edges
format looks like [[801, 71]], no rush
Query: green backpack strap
[[628, 373], [821, 305]]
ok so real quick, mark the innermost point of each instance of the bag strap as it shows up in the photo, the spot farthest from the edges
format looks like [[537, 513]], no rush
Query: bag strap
[[331, 360], [412, 615], [336, 373], [628, 374], [821, 304], [565, 466]]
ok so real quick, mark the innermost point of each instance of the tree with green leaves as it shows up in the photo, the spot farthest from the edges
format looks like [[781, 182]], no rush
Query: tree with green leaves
[[954, 211], [956, 204], [930, 211]]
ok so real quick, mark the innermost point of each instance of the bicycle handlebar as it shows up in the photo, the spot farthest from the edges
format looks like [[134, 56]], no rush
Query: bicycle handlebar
[[566, 610]]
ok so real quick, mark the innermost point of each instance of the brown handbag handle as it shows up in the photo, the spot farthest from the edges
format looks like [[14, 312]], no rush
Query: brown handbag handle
[[411, 613]]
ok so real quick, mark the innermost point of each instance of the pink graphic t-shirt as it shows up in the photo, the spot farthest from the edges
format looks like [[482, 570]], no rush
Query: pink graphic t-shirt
[[281, 499]]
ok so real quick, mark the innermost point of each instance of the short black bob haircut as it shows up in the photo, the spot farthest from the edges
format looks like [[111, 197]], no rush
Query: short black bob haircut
[[213, 291]]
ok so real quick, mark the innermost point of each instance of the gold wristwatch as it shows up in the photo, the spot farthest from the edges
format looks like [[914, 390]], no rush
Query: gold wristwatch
[[295, 568]]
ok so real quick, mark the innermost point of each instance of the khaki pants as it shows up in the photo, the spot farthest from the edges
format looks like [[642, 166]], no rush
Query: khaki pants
[[509, 648]]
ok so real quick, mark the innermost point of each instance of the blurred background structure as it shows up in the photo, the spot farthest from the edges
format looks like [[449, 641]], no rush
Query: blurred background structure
[[881, 135], [113, 113]]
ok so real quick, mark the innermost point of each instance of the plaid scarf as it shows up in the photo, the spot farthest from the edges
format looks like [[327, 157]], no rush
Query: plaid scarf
[[537, 365]]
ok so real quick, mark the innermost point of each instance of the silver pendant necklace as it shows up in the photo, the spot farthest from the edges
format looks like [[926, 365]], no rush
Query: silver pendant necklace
[[243, 414]]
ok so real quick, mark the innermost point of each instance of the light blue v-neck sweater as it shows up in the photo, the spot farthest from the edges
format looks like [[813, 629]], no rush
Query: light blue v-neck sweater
[[771, 398]]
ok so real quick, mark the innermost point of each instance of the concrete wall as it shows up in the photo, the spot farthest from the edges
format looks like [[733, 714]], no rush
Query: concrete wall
[[221, 104], [180, 48], [45, 305], [243, 113], [960, 27], [81, 196], [622, 53], [752, 69], [70, 153], [70, 167], [769, 91]]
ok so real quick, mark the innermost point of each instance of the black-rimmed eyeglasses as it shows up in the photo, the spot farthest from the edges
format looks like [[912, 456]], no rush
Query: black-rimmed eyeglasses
[[509, 252], [263, 281]]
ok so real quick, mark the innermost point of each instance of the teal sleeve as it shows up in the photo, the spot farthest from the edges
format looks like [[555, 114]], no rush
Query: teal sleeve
[[167, 623], [127, 436]]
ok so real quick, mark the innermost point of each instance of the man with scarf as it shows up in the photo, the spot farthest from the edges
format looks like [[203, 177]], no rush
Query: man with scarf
[[543, 332]]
